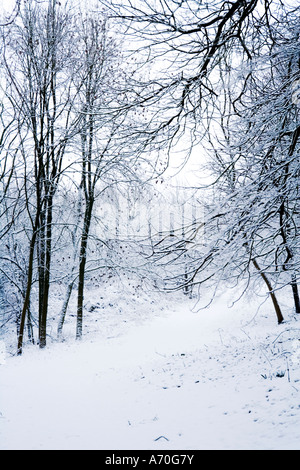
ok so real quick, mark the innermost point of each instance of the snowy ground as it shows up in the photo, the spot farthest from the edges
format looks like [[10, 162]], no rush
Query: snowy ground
[[156, 375]]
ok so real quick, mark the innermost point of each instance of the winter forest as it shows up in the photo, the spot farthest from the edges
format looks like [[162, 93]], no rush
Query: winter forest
[[149, 163]]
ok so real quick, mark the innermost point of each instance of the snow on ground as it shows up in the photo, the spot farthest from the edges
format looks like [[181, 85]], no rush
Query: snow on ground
[[156, 374]]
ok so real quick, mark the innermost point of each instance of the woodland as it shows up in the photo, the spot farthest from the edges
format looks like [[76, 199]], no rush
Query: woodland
[[101, 103]]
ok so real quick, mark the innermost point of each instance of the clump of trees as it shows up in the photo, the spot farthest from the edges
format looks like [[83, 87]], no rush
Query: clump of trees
[[65, 139], [226, 75]]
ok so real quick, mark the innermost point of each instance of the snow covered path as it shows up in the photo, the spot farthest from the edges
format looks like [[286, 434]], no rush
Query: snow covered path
[[183, 381]]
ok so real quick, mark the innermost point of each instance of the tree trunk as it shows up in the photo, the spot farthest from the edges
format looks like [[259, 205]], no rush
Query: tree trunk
[[63, 311], [46, 276], [30, 327], [82, 264], [70, 286], [41, 253], [28, 287], [273, 296], [295, 294]]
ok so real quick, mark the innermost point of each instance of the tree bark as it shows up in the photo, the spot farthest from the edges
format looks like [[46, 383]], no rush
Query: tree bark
[[46, 276], [28, 287], [273, 296], [63, 311], [295, 294], [82, 264]]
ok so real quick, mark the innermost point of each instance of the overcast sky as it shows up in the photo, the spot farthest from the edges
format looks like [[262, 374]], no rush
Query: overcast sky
[[7, 5]]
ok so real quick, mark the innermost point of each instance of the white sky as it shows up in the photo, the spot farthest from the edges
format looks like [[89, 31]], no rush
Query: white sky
[[190, 174], [8, 5]]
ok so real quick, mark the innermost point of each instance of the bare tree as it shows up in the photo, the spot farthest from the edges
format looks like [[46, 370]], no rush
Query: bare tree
[[252, 221], [180, 45], [105, 131], [38, 50]]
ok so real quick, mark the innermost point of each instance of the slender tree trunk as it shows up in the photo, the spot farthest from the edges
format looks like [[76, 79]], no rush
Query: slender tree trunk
[[63, 311], [295, 294], [70, 286], [186, 287], [29, 326], [46, 287], [28, 287], [273, 296], [41, 257], [82, 264]]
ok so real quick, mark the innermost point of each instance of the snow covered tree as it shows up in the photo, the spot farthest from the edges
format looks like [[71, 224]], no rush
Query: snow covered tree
[[99, 70], [181, 44], [226, 77], [37, 55], [253, 219], [263, 166]]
